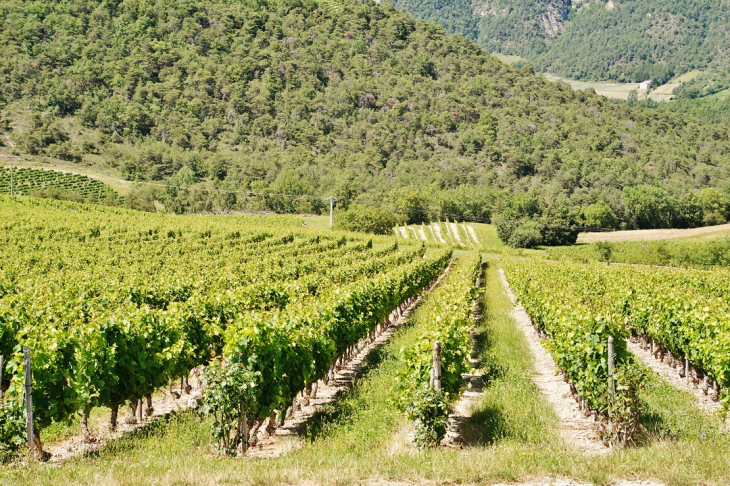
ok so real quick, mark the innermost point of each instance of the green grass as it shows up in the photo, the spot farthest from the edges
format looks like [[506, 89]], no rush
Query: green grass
[[512, 435]]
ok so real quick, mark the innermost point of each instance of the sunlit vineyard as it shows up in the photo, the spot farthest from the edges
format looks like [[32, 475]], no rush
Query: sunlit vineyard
[[683, 312], [131, 302], [27, 181], [702, 253]]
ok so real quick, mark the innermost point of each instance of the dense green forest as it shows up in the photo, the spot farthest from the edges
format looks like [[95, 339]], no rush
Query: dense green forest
[[622, 40], [357, 101]]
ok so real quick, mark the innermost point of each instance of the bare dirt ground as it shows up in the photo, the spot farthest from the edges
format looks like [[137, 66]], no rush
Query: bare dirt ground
[[285, 438], [655, 234], [671, 375], [576, 428], [164, 404]]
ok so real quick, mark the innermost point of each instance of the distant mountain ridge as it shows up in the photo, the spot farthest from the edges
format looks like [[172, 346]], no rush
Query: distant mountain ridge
[[276, 104], [621, 40]]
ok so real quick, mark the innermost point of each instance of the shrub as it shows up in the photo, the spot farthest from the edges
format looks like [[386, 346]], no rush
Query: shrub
[[429, 408], [366, 219], [12, 429], [526, 236]]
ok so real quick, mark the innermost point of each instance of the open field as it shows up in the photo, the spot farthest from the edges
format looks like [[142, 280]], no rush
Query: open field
[[507, 59], [618, 90], [656, 234]]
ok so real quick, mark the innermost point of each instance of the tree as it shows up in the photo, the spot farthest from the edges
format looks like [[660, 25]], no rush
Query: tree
[[649, 206], [600, 215], [366, 219]]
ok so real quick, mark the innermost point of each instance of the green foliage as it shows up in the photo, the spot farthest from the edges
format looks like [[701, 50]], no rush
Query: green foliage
[[366, 219], [57, 185], [228, 391], [578, 314], [600, 215], [246, 100], [448, 314], [654, 207], [605, 251], [12, 429], [136, 300], [702, 253], [527, 235], [625, 408], [532, 233], [623, 41], [430, 409]]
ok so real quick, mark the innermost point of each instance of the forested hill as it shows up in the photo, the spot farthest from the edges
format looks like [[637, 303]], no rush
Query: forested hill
[[623, 40], [353, 100]]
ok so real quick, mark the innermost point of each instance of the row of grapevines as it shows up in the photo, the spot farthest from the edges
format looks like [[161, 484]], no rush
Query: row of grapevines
[[114, 305], [684, 311], [299, 344], [446, 316], [110, 355], [578, 314]]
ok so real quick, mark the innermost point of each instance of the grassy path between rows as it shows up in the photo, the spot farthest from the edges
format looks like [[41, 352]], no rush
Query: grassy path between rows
[[511, 436]]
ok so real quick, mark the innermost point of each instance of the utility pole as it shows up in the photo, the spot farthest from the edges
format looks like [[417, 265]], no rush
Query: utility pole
[[11, 179], [332, 207]]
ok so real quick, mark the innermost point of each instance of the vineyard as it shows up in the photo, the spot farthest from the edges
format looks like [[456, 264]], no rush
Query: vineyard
[[680, 314], [441, 233], [134, 302], [27, 181], [700, 253], [245, 325]]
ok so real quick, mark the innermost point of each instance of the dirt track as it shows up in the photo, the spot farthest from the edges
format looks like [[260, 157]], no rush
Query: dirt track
[[655, 234]]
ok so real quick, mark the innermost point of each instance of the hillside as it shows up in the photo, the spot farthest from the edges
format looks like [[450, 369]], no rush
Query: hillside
[[353, 100], [621, 40]]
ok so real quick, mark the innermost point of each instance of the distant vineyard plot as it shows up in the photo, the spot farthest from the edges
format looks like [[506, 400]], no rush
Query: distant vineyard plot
[[26, 181], [459, 234]]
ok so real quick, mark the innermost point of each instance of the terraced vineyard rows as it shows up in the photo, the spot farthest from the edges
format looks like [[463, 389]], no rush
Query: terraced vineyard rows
[[131, 302], [27, 181]]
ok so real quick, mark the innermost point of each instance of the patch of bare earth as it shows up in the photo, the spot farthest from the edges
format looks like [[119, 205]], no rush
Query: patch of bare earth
[[277, 441], [671, 374], [164, 405], [576, 428]]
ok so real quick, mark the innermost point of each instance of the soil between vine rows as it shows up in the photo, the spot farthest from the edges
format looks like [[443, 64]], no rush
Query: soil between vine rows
[[576, 428]]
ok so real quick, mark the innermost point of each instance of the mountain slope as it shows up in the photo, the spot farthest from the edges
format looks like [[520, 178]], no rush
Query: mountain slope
[[622, 40], [353, 100]]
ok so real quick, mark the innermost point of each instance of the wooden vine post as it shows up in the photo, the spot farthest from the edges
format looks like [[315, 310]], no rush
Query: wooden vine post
[[28, 396], [242, 428], [2, 393], [611, 367], [436, 372]]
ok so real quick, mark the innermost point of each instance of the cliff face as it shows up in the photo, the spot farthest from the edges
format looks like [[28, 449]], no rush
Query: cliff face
[[548, 15], [552, 21]]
